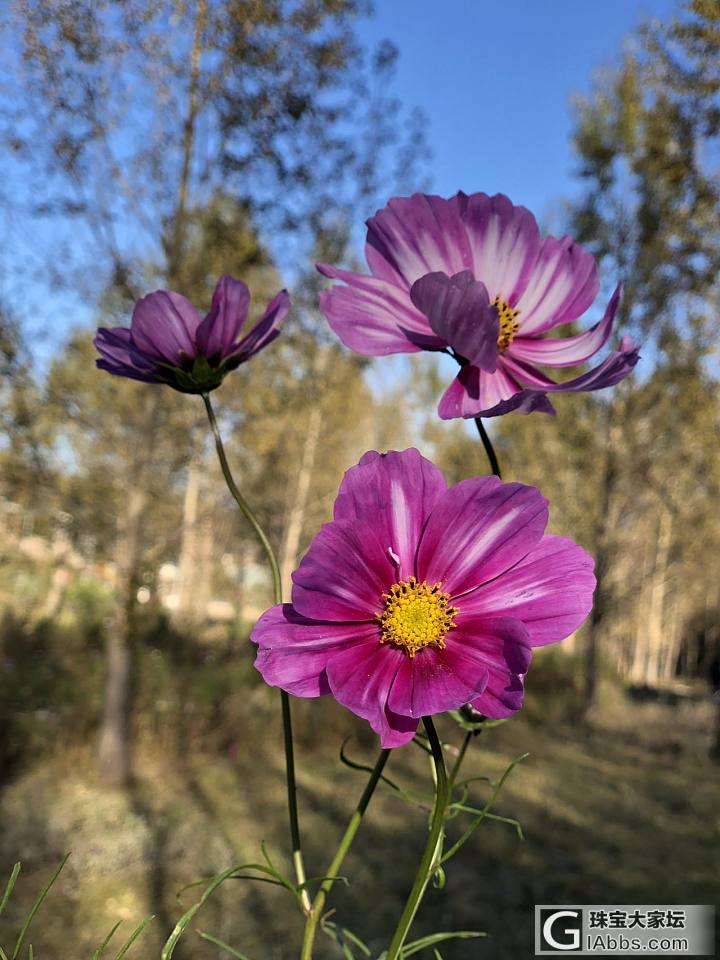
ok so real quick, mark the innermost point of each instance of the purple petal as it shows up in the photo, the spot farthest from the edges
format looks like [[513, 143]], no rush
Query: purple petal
[[504, 240], [477, 530], [218, 332], [121, 358], [263, 333], [393, 299], [361, 679], [340, 577], [293, 651], [562, 286], [567, 351], [131, 373], [550, 590], [433, 681], [392, 495], [500, 646], [163, 326], [416, 235], [371, 317], [613, 369], [474, 393], [458, 310], [115, 345]]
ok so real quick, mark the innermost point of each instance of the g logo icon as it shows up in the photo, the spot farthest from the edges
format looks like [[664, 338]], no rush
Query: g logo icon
[[560, 931]]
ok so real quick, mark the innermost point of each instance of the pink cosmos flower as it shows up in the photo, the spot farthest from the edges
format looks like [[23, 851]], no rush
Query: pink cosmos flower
[[168, 342], [417, 598], [471, 276]]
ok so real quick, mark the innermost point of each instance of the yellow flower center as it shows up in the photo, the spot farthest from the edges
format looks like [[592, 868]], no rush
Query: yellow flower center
[[415, 616], [509, 325]]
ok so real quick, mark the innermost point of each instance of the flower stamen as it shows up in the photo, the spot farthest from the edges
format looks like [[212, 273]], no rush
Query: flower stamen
[[509, 325], [415, 616]]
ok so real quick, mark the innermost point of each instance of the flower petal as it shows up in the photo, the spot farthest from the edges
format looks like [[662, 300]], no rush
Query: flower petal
[[390, 298], [416, 235], [392, 494], [361, 678], [504, 240], [130, 372], [562, 286], [459, 311], [474, 393], [498, 645], [477, 530], [567, 351], [163, 326], [263, 333], [373, 323], [118, 356], [218, 332], [614, 368], [550, 591], [338, 578], [293, 651], [432, 682]]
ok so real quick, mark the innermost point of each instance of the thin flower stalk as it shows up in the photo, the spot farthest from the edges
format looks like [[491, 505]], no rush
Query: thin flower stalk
[[315, 914], [432, 854], [242, 503]]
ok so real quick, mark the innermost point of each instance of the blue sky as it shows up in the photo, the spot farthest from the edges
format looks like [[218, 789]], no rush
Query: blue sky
[[495, 79]]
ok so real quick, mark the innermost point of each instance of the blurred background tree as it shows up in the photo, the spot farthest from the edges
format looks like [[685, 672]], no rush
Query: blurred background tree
[[173, 135]]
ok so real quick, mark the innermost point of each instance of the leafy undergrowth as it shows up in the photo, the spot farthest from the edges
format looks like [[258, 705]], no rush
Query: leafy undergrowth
[[623, 810]]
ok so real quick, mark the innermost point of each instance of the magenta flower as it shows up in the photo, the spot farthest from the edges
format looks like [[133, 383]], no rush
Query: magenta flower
[[417, 599], [168, 342], [471, 276]]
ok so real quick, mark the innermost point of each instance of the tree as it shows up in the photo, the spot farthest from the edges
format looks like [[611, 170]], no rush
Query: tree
[[152, 138]]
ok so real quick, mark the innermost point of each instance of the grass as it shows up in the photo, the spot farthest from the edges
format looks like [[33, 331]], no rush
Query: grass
[[622, 810]]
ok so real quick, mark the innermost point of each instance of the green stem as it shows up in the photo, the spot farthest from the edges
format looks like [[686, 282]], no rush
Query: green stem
[[489, 450], [284, 699], [332, 872], [460, 757], [433, 849]]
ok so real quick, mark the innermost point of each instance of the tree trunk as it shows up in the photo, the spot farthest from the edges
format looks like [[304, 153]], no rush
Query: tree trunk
[[188, 563], [114, 740], [655, 618], [114, 744], [296, 514], [606, 520]]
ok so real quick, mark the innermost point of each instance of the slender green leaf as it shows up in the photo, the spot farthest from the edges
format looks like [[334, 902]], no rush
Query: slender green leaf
[[436, 954], [248, 876], [338, 879], [485, 815], [133, 937], [36, 906], [101, 949], [412, 798], [417, 945], [276, 878], [10, 886], [215, 882], [484, 812], [3, 955], [223, 946], [345, 937], [272, 869], [469, 780], [30, 952]]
